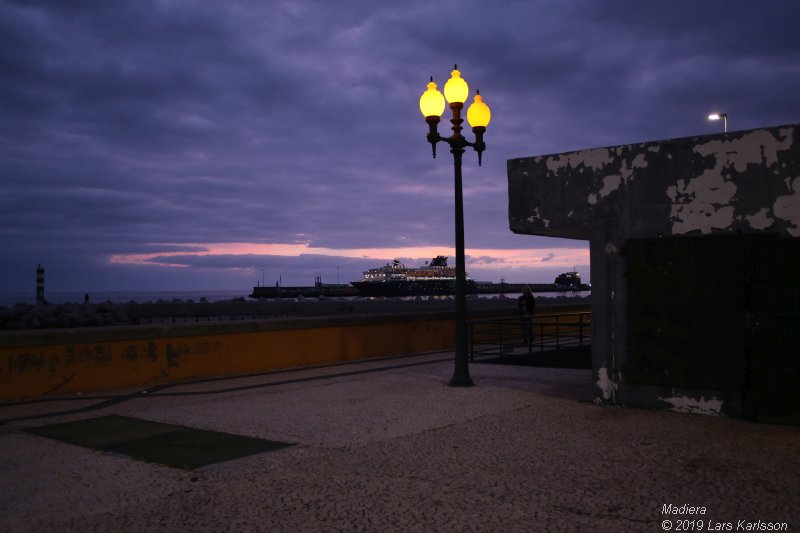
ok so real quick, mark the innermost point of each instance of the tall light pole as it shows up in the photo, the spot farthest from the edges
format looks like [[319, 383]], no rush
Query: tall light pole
[[431, 103], [723, 116]]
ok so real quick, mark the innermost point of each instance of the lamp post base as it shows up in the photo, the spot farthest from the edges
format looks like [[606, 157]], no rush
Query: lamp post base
[[461, 382]]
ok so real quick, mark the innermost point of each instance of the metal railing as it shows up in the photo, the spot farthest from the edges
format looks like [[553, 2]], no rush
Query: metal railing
[[517, 335]]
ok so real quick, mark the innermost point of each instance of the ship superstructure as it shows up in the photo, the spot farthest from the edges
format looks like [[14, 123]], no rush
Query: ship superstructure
[[396, 279]]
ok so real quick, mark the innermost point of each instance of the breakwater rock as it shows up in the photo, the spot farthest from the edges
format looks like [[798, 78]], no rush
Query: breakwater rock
[[73, 315]]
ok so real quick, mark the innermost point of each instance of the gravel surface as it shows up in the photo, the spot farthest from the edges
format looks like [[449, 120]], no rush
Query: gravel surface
[[386, 445]]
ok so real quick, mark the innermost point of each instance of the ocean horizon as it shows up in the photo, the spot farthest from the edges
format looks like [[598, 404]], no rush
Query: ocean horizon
[[61, 297]]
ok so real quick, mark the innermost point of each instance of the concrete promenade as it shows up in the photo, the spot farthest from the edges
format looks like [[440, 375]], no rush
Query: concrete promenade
[[385, 445]]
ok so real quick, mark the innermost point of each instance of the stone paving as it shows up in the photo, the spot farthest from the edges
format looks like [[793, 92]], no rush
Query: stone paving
[[385, 445]]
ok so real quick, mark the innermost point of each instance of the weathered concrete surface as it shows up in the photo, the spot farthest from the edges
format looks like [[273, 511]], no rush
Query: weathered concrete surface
[[738, 183], [398, 450]]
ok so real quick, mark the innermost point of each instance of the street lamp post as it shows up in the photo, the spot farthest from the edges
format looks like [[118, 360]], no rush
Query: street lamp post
[[723, 116], [431, 103]]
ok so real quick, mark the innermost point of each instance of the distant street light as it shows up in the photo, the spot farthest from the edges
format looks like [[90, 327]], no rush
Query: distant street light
[[431, 103], [717, 116]]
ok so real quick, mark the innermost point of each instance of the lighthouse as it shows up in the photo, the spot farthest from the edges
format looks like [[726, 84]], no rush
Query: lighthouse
[[39, 285]]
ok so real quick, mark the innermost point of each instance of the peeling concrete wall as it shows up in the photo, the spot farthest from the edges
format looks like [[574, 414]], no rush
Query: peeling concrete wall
[[740, 181], [745, 182]]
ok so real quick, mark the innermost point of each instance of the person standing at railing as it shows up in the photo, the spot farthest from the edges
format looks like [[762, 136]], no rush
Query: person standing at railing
[[527, 305]]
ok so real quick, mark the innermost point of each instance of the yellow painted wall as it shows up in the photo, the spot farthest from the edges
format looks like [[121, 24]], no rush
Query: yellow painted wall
[[93, 359], [106, 363]]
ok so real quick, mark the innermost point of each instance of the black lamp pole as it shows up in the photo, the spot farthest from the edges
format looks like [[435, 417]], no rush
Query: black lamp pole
[[457, 142]]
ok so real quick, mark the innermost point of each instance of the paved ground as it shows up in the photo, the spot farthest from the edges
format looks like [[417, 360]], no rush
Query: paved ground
[[387, 446]]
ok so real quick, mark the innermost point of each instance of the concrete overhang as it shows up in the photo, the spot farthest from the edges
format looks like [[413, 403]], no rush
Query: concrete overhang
[[744, 181]]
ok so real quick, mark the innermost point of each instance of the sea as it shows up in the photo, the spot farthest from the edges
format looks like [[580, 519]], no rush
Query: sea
[[58, 297]]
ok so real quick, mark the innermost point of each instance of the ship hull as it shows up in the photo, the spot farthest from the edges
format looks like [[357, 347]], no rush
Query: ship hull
[[391, 288]]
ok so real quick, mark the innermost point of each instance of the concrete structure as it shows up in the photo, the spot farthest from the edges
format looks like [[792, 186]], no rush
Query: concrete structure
[[695, 263]]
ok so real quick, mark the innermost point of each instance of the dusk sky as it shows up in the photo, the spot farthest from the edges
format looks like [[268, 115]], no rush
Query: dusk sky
[[183, 145]]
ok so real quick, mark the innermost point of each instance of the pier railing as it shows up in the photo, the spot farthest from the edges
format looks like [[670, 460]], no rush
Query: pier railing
[[517, 335]]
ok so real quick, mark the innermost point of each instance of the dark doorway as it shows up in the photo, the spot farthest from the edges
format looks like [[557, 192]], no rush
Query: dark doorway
[[773, 388], [718, 313]]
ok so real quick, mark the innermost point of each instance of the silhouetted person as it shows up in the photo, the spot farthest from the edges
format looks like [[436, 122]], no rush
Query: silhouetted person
[[86, 298], [527, 305]]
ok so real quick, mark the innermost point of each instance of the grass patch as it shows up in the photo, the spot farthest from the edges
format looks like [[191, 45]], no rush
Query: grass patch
[[155, 442]]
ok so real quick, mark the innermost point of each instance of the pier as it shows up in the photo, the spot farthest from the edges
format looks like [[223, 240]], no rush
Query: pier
[[341, 290]]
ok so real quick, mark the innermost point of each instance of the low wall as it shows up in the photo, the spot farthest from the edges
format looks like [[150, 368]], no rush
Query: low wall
[[37, 363], [68, 361]]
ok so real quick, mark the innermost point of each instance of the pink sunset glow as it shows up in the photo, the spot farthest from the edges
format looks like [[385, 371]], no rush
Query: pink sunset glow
[[521, 265]]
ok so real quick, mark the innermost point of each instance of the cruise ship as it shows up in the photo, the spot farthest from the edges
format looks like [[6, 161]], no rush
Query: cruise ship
[[395, 279]]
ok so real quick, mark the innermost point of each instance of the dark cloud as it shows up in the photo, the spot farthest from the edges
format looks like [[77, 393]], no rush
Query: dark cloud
[[155, 126]]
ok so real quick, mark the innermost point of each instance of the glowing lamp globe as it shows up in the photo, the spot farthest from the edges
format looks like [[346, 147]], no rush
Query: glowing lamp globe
[[456, 89], [478, 114], [431, 103]]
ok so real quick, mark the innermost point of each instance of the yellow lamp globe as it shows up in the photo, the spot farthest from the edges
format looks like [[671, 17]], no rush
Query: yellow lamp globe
[[431, 103], [478, 113], [456, 89]]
